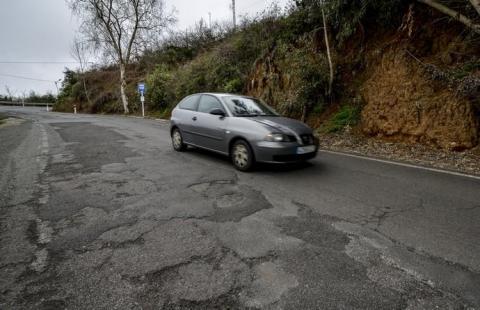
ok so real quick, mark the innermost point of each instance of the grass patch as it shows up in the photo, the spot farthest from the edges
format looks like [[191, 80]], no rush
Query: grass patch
[[348, 115], [163, 114], [3, 118]]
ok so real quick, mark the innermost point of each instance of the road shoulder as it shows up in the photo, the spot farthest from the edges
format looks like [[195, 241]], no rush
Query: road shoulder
[[415, 155]]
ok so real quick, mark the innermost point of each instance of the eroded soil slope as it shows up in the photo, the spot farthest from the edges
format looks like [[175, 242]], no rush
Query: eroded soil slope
[[401, 103]]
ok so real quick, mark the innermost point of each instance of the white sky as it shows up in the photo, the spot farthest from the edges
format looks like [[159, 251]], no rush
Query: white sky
[[43, 30]]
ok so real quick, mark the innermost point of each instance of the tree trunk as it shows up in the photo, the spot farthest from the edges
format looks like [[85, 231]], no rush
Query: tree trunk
[[123, 85], [86, 91], [329, 55], [304, 113], [453, 14]]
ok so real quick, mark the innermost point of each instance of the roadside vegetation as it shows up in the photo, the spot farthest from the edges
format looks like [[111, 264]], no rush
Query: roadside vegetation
[[2, 118], [347, 116], [32, 96], [318, 74]]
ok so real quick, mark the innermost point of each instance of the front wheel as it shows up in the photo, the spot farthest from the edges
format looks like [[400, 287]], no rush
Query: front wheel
[[177, 141], [242, 156]]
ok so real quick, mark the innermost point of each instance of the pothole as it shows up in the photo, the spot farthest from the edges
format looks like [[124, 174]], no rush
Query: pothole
[[229, 200]]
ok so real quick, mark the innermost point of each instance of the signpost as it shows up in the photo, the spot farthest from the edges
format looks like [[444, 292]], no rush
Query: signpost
[[141, 90]]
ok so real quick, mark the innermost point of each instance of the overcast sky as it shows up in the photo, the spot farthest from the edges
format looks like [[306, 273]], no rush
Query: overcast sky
[[35, 36]]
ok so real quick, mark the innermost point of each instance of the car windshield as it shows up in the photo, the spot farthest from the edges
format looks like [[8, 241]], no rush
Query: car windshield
[[245, 106]]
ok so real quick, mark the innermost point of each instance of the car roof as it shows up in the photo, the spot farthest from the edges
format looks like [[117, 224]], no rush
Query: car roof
[[221, 94]]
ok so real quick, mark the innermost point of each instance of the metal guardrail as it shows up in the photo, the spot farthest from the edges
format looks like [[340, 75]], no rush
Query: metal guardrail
[[26, 104]]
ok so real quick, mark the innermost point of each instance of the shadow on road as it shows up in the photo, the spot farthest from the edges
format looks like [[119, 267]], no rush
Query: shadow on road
[[260, 167]]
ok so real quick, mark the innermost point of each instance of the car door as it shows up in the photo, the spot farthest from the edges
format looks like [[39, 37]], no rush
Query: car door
[[209, 128], [185, 116]]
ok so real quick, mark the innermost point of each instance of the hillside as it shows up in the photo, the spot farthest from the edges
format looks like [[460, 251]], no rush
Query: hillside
[[402, 71]]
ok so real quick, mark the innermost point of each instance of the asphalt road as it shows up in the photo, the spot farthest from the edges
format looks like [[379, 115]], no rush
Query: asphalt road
[[98, 212]]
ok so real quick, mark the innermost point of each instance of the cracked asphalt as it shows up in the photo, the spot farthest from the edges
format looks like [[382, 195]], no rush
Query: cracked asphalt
[[98, 212]]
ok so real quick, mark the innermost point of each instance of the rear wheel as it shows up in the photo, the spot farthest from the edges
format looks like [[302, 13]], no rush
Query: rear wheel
[[177, 141], [242, 156]]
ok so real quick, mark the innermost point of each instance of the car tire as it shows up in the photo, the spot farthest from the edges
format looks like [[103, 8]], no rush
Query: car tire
[[177, 141], [242, 156]]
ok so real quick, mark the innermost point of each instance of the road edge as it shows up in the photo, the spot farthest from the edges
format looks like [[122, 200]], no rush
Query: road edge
[[402, 164]]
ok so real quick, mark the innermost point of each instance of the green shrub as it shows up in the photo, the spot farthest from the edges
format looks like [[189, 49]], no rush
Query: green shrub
[[465, 70], [294, 78], [234, 86], [159, 95], [348, 115], [215, 71], [344, 16]]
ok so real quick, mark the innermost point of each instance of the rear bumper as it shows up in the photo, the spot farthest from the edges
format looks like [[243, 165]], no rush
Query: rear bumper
[[281, 152]]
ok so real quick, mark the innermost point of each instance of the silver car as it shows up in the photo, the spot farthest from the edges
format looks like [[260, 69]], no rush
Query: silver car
[[241, 127]]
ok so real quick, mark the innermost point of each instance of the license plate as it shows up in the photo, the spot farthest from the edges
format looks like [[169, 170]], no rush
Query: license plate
[[306, 149]]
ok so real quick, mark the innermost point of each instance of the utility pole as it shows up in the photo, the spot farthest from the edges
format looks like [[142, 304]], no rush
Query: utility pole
[[234, 16], [210, 20], [56, 85]]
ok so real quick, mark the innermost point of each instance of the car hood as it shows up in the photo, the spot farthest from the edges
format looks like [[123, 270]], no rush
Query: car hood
[[283, 124]]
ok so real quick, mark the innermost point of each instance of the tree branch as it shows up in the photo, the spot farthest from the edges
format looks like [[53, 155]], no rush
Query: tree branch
[[453, 14], [135, 28], [476, 5]]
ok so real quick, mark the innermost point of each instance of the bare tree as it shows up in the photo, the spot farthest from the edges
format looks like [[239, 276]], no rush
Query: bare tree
[[456, 14], [10, 93], [80, 51], [121, 29]]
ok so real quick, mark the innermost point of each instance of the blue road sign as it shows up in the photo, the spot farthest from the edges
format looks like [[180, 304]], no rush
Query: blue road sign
[[141, 88]]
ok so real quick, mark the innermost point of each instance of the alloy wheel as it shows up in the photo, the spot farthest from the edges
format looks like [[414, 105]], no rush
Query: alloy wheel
[[177, 140], [240, 155]]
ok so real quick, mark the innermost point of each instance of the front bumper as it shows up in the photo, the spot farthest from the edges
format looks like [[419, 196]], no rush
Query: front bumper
[[281, 152]]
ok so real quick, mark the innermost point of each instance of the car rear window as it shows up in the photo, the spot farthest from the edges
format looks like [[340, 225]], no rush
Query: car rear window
[[189, 103]]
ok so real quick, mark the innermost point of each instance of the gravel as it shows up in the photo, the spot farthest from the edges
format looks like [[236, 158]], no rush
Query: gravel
[[467, 161]]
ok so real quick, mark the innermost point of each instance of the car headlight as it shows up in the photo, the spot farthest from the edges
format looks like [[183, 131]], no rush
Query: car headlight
[[279, 137]]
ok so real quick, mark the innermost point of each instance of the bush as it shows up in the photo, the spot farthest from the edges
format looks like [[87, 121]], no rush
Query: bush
[[348, 115], [344, 16], [159, 94], [218, 70], [293, 78]]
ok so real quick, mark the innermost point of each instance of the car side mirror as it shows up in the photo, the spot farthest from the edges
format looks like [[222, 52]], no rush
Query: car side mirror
[[218, 112]]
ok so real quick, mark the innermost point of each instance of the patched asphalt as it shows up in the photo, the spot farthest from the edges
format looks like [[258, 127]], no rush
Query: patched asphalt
[[100, 213]]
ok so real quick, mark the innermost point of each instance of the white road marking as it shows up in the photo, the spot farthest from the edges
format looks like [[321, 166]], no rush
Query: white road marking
[[384, 161]]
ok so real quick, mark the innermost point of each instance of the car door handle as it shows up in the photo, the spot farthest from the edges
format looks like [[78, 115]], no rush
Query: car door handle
[[194, 118]]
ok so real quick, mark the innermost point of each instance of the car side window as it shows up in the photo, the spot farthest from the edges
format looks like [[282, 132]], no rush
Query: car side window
[[208, 104], [189, 103]]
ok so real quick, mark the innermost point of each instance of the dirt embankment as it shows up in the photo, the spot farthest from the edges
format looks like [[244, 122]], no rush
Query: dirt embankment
[[422, 83], [403, 104]]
